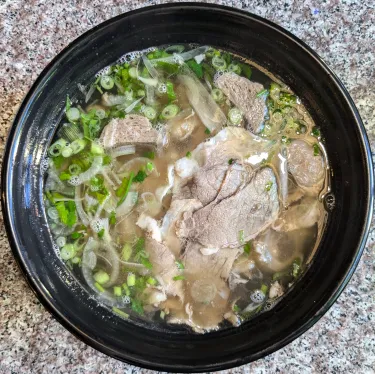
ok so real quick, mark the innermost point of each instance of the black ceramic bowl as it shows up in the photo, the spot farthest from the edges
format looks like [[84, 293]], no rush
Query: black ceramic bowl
[[283, 55]]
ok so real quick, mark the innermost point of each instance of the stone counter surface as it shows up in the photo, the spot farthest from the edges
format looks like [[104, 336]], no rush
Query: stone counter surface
[[32, 32]]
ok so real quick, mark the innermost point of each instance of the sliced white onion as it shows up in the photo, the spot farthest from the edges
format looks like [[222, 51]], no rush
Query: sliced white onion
[[148, 81], [128, 204], [209, 251], [129, 164], [90, 201], [163, 190], [133, 105], [122, 151], [94, 169], [154, 74], [78, 201]]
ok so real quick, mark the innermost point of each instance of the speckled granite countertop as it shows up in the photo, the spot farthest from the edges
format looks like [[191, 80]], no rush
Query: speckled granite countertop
[[34, 31]]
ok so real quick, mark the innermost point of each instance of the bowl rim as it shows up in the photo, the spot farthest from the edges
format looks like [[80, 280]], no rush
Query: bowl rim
[[30, 97]]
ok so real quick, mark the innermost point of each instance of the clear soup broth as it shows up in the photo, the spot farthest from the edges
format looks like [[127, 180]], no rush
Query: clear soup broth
[[185, 187]]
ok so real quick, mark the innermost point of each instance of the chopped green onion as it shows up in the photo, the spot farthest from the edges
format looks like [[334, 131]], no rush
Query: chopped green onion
[[169, 111], [179, 265], [218, 63], [170, 91], [55, 150], [101, 277], [296, 268], [137, 306], [287, 99], [150, 166], [120, 313], [150, 155], [263, 92], [96, 149], [133, 72], [207, 131], [316, 149], [217, 95], [100, 113], [235, 68], [117, 291], [126, 289], [99, 287], [67, 252], [241, 236], [264, 289], [149, 112], [285, 139], [73, 114], [269, 186], [107, 82], [124, 188], [126, 252], [152, 281], [101, 234], [162, 314], [230, 161], [315, 132], [112, 218], [178, 277], [235, 116], [64, 176], [141, 93], [67, 151], [76, 235], [61, 241], [75, 260], [196, 68], [74, 169], [78, 145], [146, 263], [130, 281], [247, 248], [246, 70], [236, 308], [188, 154]]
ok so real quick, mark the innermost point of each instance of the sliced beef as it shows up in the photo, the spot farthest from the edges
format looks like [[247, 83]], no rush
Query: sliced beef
[[218, 264], [243, 94], [133, 129], [174, 214], [164, 267], [230, 221], [207, 292], [306, 168]]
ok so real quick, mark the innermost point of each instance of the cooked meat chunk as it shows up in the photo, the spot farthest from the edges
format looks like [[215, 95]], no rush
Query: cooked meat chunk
[[307, 169], [164, 267], [230, 221], [133, 129], [243, 94]]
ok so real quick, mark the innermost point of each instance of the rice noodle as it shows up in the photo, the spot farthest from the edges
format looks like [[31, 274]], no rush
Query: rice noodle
[[78, 201], [185, 56], [128, 165]]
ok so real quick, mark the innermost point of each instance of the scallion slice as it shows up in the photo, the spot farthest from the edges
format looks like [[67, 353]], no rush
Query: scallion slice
[[235, 116], [107, 82], [217, 95], [219, 63], [73, 114], [149, 112], [170, 111]]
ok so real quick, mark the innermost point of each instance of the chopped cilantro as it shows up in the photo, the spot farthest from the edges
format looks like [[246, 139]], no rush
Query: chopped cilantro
[[76, 235], [207, 131], [188, 154], [101, 233], [179, 265], [178, 277], [140, 177], [67, 212], [316, 149], [269, 186], [247, 247], [137, 306], [230, 161], [315, 132]]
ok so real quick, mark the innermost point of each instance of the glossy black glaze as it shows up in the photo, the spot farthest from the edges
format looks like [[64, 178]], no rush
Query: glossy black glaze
[[279, 52]]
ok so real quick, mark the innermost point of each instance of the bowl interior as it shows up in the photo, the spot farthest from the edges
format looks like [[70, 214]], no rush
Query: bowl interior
[[278, 52]]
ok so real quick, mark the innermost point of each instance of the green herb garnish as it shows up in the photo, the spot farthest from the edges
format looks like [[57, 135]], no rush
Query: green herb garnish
[[269, 186], [140, 177], [179, 265], [207, 131], [178, 277], [316, 149], [247, 247]]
